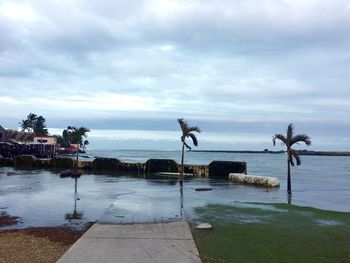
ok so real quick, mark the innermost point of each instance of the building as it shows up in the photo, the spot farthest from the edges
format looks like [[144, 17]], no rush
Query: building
[[45, 139], [14, 136], [14, 143]]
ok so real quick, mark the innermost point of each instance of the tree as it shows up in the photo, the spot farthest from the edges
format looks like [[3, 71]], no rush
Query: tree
[[292, 154], [76, 135], [73, 135], [187, 132], [29, 123], [40, 127], [35, 124], [86, 142], [62, 141]]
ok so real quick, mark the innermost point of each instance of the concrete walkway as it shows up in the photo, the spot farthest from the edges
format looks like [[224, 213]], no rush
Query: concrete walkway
[[135, 243]]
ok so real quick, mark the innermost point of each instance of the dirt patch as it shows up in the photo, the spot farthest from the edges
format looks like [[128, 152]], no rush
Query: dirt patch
[[62, 235], [37, 244]]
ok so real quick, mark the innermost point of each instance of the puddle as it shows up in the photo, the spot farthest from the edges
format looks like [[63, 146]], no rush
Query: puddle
[[265, 207]]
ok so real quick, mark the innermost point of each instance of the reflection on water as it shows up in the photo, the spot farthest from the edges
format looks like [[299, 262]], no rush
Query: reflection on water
[[75, 215], [289, 198], [181, 201], [42, 198]]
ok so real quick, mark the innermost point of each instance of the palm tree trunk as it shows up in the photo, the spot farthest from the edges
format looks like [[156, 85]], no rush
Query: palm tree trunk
[[182, 164], [289, 183], [182, 180]]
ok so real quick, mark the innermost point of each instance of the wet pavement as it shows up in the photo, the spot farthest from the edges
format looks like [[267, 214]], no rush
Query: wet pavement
[[143, 243]]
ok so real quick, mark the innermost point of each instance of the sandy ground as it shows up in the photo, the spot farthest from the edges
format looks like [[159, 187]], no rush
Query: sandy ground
[[36, 244]]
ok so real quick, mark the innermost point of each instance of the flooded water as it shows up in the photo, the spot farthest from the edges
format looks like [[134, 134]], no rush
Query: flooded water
[[42, 198]]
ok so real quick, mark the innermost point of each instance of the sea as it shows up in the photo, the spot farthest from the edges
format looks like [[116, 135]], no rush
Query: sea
[[43, 198], [320, 181]]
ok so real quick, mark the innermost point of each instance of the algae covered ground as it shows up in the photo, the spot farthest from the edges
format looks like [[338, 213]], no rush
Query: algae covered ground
[[254, 232]]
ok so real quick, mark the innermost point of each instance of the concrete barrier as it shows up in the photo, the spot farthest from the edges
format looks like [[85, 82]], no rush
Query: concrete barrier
[[6, 162], [254, 180], [42, 163], [107, 164], [133, 167], [24, 161], [161, 165], [62, 163], [196, 169], [223, 168], [85, 165], [215, 169]]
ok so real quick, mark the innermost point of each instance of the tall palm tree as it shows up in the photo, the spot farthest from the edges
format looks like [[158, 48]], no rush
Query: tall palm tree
[[289, 141], [76, 134], [34, 123], [187, 132], [29, 123], [40, 127]]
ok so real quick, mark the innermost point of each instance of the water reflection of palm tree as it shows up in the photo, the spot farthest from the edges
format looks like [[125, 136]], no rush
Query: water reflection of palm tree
[[181, 202], [75, 214]]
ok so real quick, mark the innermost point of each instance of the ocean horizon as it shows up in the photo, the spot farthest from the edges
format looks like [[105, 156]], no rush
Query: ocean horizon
[[124, 139]]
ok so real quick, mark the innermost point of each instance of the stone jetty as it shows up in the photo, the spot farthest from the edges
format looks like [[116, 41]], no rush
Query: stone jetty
[[219, 169], [265, 181]]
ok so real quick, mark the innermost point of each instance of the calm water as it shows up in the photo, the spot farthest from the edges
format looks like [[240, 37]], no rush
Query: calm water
[[42, 198]]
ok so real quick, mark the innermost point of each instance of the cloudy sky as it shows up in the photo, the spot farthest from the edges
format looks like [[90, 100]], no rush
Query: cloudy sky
[[241, 67]]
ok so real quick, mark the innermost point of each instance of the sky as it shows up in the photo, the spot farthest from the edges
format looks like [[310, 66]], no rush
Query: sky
[[241, 70]]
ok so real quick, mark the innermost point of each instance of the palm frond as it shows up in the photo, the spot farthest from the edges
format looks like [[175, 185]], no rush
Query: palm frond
[[180, 121], [187, 131], [296, 156], [301, 138], [194, 129], [290, 158], [183, 125], [194, 138], [187, 146], [279, 137]]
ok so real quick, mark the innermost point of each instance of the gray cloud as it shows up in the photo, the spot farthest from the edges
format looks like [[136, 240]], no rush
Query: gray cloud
[[277, 61]]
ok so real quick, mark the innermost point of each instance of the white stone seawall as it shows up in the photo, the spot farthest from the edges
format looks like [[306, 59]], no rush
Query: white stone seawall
[[254, 180]]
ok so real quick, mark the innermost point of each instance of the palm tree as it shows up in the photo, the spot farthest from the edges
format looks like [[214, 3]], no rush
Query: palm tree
[[75, 135], [40, 127], [187, 132], [86, 142], [29, 123], [34, 123], [289, 141]]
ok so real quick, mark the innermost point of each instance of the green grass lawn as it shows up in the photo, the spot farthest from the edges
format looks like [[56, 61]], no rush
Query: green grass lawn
[[251, 232]]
